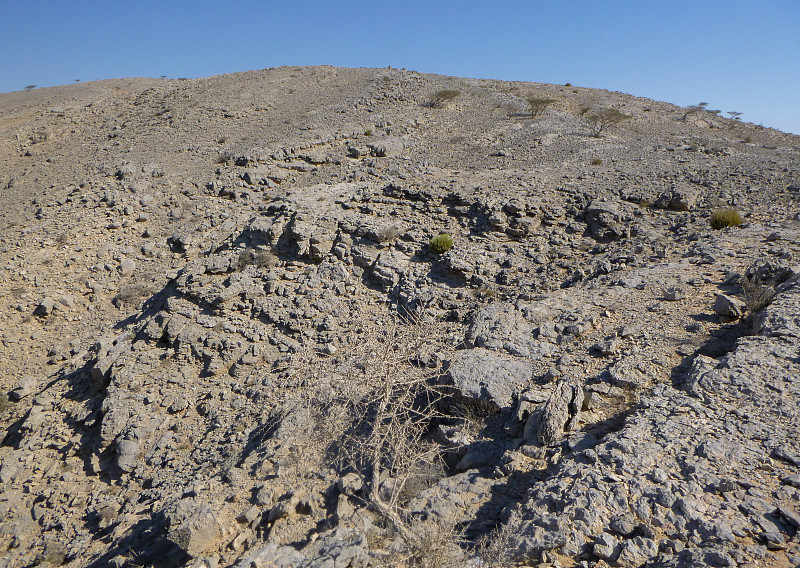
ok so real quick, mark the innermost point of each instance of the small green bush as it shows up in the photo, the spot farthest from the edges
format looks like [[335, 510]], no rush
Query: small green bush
[[725, 218], [597, 162], [440, 244]]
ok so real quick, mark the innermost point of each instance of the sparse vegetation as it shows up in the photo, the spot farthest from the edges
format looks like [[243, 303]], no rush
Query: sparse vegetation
[[485, 291], [721, 218], [600, 120], [132, 294], [30, 87], [597, 162], [223, 158], [258, 258], [441, 98], [368, 132], [757, 295], [371, 408], [388, 233], [539, 105], [760, 281], [441, 243]]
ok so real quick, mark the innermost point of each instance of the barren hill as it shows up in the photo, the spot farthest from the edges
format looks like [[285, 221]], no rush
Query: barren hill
[[367, 317]]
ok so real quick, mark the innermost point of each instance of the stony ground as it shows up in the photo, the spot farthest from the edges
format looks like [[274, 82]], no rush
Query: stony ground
[[228, 340]]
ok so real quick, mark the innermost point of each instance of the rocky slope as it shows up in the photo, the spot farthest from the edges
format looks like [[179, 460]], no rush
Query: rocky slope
[[227, 339]]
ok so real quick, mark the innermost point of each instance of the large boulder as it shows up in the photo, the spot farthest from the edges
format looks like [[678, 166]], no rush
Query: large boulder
[[484, 379], [607, 221]]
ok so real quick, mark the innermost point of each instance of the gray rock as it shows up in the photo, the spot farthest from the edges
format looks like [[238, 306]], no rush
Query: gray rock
[[127, 455], [485, 379], [561, 411], [674, 293], [200, 533], [637, 552], [501, 329], [26, 386], [606, 547], [127, 266], [680, 198], [386, 147], [607, 221], [630, 372], [273, 556], [46, 307], [728, 306]]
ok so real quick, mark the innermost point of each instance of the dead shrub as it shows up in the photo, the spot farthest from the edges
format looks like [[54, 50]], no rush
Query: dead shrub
[[132, 294], [371, 406]]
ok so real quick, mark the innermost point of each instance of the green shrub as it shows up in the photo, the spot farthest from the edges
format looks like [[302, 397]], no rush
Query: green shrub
[[725, 218], [597, 162], [440, 244], [440, 98]]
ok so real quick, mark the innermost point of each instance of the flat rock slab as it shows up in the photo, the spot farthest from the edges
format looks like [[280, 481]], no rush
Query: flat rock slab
[[483, 378]]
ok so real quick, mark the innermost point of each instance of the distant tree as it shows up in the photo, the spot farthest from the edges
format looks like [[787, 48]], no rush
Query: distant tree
[[30, 87], [693, 109], [163, 76], [539, 105], [699, 107], [734, 115], [77, 80], [440, 98], [601, 119]]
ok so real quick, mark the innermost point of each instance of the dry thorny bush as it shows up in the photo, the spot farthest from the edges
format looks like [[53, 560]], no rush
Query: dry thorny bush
[[369, 408]]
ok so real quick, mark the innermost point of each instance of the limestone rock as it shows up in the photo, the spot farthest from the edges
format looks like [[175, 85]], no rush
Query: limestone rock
[[485, 379]]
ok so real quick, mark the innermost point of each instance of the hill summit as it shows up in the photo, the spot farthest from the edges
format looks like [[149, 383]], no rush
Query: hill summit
[[314, 316]]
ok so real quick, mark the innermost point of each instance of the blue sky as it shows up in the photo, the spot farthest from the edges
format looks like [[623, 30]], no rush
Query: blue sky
[[737, 55]]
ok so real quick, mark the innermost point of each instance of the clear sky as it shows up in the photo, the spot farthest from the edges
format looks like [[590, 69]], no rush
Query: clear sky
[[737, 55]]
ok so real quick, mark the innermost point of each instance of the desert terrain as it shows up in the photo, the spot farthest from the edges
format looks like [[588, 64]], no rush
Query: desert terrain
[[316, 316]]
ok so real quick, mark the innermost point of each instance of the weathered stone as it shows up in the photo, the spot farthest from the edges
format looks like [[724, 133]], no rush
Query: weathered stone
[[728, 306], [201, 532], [549, 422], [46, 307], [26, 386], [485, 379]]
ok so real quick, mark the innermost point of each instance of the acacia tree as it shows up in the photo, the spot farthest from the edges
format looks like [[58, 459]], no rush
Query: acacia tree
[[693, 109], [440, 98], [539, 105], [601, 119]]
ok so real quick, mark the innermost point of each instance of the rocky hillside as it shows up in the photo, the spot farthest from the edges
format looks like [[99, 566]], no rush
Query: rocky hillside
[[234, 332]]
